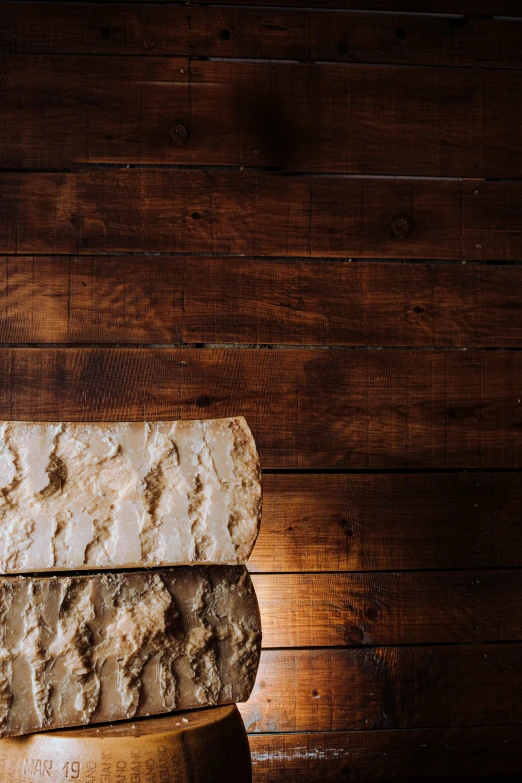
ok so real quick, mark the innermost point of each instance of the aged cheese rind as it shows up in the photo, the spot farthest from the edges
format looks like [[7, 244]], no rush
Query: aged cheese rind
[[127, 495], [105, 647], [201, 746]]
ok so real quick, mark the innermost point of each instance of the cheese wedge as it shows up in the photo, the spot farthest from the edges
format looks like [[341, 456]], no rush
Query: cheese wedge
[[127, 495], [93, 648]]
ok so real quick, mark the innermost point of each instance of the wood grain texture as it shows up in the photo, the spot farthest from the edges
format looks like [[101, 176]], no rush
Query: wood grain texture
[[307, 408], [501, 8], [253, 32], [368, 755], [361, 609], [418, 653], [156, 210], [64, 110], [389, 522], [385, 688], [59, 111], [358, 119], [146, 299]]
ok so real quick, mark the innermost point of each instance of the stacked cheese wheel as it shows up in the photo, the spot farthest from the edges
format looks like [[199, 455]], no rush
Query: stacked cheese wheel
[[146, 607]]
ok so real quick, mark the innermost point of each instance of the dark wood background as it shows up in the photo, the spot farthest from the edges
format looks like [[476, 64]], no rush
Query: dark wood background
[[310, 215]]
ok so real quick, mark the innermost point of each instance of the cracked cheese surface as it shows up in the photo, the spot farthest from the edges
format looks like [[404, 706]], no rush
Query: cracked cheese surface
[[123, 495], [104, 647]]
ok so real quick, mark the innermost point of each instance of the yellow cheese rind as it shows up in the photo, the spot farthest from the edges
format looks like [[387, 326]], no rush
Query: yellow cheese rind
[[202, 746]]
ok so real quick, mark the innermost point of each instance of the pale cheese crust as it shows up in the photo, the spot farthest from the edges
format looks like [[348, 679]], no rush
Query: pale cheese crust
[[127, 495]]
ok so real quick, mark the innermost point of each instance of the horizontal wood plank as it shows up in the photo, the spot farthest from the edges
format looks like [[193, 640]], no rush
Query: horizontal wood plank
[[357, 119], [146, 299], [502, 7], [385, 688], [60, 111], [354, 609], [244, 213], [254, 32], [307, 408], [487, 7], [389, 522], [368, 755]]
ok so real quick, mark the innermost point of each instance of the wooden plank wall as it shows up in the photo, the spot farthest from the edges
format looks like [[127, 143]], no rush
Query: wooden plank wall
[[310, 214]]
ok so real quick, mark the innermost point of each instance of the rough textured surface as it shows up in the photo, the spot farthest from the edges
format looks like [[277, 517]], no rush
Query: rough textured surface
[[200, 746], [127, 495], [87, 649]]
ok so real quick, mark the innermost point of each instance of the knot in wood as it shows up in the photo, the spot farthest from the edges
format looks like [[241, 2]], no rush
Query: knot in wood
[[178, 133], [400, 228]]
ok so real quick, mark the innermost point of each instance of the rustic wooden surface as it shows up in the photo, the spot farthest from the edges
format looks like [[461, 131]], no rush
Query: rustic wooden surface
[[367, 119], [194, 299], [333, 756], [438, 520], [409, 607], [502, 7], [112, 28], [280, 209], [242, 212], [385, 688], [312, 409]]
